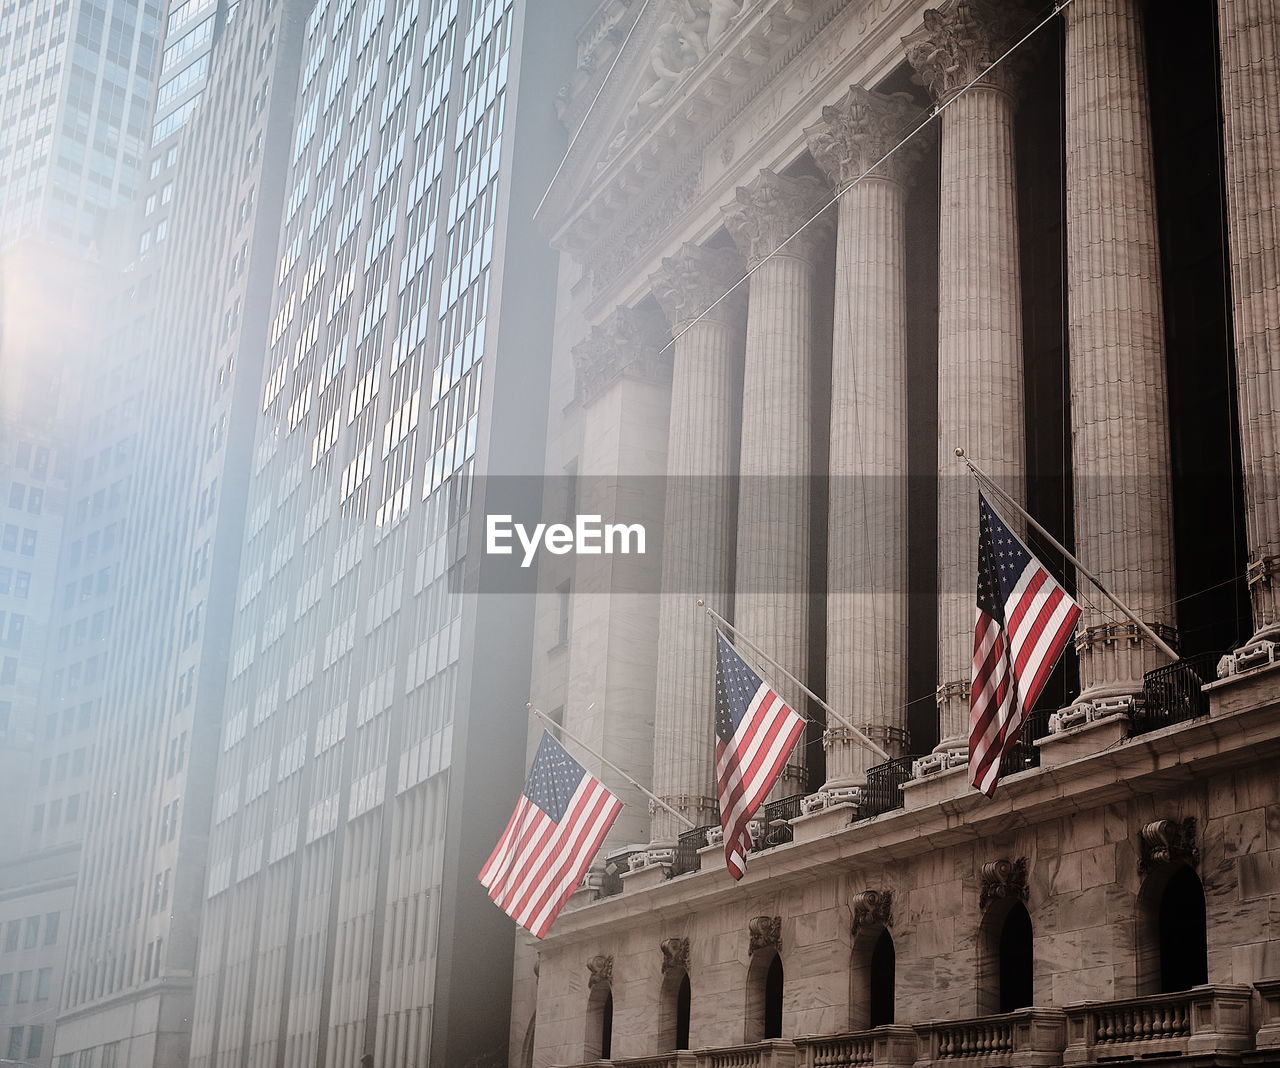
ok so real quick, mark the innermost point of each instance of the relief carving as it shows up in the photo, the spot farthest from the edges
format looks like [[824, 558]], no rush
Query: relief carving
[[675, 954], [601, 969], [959, 42], [771, 209], [694, 279], [628, 342], [857, 131], [872, 907], [1168, 842], [1004, 880], [765, 932]]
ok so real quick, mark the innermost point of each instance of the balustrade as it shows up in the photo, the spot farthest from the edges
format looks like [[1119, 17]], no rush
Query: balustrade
[[1026, 1037], [1203, 1020]]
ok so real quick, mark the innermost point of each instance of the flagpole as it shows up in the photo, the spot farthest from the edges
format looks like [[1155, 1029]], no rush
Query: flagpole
[[605, 760], [790, 677], [984, 479]]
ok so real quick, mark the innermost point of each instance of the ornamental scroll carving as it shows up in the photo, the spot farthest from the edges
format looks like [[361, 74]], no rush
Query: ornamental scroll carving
[[1004, 880], [628, 342], [771, 209], [872, 907], [765, 932], [858, 129], [601, 969], [694, 279], [959, 42], [675, 954], [1168, 842]]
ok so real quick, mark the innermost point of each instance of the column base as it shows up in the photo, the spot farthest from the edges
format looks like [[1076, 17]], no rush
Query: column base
[[930, 787], [1082, 738], [827, 819], [1258, 653]]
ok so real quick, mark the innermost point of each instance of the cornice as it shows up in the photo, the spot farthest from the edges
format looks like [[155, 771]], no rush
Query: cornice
[[1241, 730]]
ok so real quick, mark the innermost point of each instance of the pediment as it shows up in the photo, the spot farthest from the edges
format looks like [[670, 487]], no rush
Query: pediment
[[678, 61]]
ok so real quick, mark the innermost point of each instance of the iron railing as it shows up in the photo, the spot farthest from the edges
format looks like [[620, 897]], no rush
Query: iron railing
[[883, 782], [1025, 753], [687, 846], [1173, 693], [776, 817]]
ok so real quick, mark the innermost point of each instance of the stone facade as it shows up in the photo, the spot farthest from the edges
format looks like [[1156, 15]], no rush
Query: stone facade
[[757, 171]]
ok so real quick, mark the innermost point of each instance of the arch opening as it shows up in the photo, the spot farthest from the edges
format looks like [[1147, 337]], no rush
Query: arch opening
[[1180, 924], [882, 976], [1016, 960]]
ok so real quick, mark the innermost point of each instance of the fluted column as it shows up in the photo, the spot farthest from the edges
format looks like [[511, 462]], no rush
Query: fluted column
[[698, 525], [866, 562], [980, 396], [1119, 394], [624, 387], [772, 583], [1250, 35]]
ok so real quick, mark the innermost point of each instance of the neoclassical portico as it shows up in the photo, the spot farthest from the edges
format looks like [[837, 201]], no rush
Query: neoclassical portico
[[718, 175]]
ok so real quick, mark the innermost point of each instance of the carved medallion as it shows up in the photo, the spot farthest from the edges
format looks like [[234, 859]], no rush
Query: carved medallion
[[1168, 842], [675, 954], [872, 907], [765, 931], [1003, 880], [601, 969]]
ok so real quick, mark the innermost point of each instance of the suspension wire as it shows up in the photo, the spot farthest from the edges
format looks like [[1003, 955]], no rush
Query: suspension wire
[[933, 113], [587, 114]]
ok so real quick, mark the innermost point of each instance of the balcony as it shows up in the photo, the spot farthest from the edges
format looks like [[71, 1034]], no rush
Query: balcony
[[1203, 1021], [1024, 1038]]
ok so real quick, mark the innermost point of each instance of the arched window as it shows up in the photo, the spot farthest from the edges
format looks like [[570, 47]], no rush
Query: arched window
[[599, 1043], [764, 996], [674, 1012], [882, 979], [526, 1051], [873, 975], [1016, 960], [1172, 947], [1006, 961], [773, 999]]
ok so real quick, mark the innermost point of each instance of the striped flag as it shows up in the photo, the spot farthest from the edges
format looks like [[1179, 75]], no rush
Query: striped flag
[[559, 822], [755, 731], [1025, 620]]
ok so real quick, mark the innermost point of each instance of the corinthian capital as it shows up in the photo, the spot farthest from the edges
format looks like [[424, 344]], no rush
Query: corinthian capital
[[628, 342], [767, 212], [695, 278], [958, 43], [858, 129]]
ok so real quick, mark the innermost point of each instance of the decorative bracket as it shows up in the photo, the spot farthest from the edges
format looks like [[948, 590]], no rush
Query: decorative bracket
[[601, 969], [675, 954], [766, 932], [1168, 842], [1004, 880], [872, 907]]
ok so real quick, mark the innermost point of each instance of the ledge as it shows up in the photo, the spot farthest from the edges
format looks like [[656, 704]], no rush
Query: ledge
[[1241, 729]]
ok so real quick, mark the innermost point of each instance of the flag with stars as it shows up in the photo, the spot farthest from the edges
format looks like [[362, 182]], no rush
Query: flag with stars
[[755, 731], [1025, 620], [559, 822]]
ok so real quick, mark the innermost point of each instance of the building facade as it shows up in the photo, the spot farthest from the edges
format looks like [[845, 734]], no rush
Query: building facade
[[373, 694], [201, 326], [812, 248]]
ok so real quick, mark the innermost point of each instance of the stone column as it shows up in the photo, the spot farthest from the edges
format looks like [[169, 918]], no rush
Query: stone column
[[698, 526], [980, 395], [1250, 35], [1119, 395], [867, 560], [772, 584], [624, 387]]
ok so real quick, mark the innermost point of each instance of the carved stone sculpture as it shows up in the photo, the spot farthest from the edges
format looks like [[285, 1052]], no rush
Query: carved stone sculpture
[[675, 954], [872, 907], [765, 932], [601, 969], [1003, 880], [1168, 842]]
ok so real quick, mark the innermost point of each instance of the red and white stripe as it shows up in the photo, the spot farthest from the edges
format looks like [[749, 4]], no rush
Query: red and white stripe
[[1011, 665], [538, 863], [748, 766]]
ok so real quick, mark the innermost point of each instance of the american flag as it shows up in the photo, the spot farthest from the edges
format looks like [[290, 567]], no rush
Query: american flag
[[755, 730], [1025, 620], [559, 822]]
